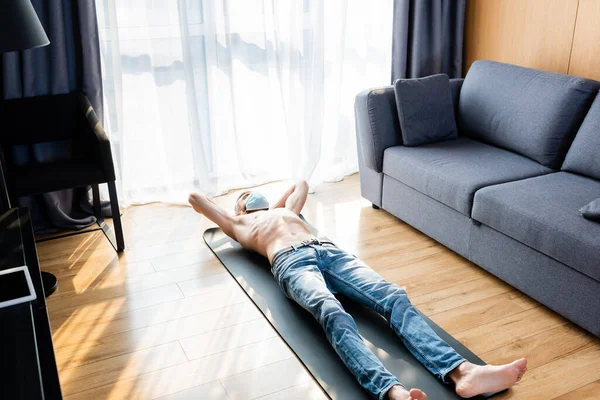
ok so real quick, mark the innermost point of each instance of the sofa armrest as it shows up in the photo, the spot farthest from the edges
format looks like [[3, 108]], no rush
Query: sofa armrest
[[377, 126]]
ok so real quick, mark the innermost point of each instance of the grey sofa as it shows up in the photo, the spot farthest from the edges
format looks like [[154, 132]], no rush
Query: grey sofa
[[506, 193]]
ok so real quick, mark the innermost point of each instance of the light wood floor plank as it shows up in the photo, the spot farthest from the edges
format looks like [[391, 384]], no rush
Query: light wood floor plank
[[542, 348], [100, 348], [101, 275], [266, 380], [192, 373], [206, 344], [590, 391], [437, 278], [170, 261], [114, 306], [113, 369], [510, 329], [213, 274], [208, 391], [90, 268], [458, 295], [483, 311], [153, 315], [576, 370]]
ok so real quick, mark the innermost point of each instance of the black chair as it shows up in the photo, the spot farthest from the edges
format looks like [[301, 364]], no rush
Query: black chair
[[69, 120]]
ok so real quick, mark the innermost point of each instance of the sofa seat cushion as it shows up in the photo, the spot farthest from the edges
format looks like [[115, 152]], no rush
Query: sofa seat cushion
[[543, 213], [452, 171]]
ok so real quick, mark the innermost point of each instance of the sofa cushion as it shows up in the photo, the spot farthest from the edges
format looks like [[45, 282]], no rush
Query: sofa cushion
[[531, 112], [583, 156], [543, 213], [425, 109], [452, 171]]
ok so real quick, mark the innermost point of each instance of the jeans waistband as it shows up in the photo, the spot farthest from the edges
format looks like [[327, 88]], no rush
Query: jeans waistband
[[294, 247]]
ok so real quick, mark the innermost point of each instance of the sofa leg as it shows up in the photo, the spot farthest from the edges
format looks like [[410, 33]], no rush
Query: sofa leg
[[116, 215], [375, 207]]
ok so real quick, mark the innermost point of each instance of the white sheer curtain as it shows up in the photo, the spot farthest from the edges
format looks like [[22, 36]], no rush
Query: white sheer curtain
[[212, 95]]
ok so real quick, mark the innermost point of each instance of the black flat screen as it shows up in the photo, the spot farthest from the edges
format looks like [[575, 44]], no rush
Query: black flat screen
[[13, 286]]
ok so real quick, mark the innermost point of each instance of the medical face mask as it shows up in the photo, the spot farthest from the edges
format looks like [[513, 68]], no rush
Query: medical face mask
[[255, 202]]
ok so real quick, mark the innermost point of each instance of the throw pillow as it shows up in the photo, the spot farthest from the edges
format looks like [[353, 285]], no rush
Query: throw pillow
[[425, 110], [591, 211]]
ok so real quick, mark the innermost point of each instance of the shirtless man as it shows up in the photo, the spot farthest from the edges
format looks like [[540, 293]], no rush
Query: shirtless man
[[310, 272]]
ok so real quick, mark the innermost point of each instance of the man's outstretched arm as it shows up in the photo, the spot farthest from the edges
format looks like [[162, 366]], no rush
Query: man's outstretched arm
[[294, 198], [215, 213]]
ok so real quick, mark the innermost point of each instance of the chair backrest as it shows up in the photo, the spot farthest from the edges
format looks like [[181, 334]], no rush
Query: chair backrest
[[39, 119], [531, 112]]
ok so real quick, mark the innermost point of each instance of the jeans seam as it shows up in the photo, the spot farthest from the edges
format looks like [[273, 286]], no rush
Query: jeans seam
[[354, 288], [362, 370], [357, 362], [427, 360], [380, 306], [446, 371], [386, 389]]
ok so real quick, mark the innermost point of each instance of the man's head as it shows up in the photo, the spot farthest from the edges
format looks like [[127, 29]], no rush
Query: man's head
[[250, 201]]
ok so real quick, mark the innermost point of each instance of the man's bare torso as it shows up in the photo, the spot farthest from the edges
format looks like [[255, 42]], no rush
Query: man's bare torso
[[267, 232]]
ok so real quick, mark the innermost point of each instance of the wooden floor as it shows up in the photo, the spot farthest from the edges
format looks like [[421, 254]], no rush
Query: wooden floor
[[165, 320]]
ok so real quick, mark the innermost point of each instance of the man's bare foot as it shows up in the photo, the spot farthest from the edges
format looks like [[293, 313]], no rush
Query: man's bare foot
[[471, 379], [399, 393]]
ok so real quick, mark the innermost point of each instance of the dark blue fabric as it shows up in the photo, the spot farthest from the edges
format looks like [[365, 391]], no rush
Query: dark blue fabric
[[377, 126], [584, 155], [71, 62], [452, 171], [543, 213], [559, 287], [591, 211], [455, 86], [425, 110], [439, 221], [531, 112], [427, 38]]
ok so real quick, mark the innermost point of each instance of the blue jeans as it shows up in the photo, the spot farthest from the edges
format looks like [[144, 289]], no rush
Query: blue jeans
[[311, 272]]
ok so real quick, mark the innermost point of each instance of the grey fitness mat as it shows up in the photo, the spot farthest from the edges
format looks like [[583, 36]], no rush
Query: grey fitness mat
[[306, 338]]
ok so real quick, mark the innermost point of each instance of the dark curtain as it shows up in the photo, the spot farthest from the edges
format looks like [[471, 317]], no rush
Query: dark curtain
[[71, 62], [428, 38]]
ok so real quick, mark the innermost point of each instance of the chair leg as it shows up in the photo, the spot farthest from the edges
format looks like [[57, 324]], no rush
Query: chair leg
[[96, 201], [116, 215]]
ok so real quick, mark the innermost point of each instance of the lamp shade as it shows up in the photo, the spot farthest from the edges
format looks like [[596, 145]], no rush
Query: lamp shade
[[20, 27]]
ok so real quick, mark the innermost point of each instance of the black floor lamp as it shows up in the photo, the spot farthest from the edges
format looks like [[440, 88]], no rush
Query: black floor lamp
[[20, 29]]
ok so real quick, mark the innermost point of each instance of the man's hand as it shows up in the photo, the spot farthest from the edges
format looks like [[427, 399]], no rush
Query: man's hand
[[196, 200], [294, 198]]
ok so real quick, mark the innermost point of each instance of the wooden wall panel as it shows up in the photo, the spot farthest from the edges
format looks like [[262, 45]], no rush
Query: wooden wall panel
[[531, 33], [585, 56]]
